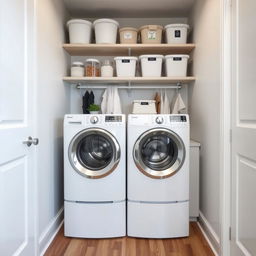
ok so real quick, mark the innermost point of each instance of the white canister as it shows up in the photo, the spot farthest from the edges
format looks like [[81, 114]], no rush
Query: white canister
[[151, 65], [77, 69], [176, 33], [126, 66], [107, 69], [105, 31], [79, 31], [176, 65]]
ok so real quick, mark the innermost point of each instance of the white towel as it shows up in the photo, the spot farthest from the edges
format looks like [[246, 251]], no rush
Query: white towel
[[111, 103], [104, 101], [166, 109], [178, 104], [116, 103], [165, 104]]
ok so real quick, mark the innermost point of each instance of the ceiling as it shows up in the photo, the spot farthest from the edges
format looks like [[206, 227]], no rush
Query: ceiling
[[128, 8]]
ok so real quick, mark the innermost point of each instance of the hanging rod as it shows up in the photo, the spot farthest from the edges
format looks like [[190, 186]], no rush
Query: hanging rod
[[178, 86]]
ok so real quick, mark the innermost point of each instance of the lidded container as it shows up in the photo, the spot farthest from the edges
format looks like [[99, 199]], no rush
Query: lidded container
[[126, 66], [107, 69], [151, 34], [151, 65], [79, 31], [128, 35], [77, 69], [176, 33], [144, 107], [105, 31], [176, 65], [92, 67]]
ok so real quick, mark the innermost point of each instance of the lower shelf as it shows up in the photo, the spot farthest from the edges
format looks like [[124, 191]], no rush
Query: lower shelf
[[134, 80]]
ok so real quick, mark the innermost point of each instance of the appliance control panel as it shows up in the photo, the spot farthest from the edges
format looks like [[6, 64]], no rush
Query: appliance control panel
[[180, 119], [113, 119]]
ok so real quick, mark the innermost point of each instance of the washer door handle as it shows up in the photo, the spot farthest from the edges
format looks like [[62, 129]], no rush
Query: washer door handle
[[31, 141]]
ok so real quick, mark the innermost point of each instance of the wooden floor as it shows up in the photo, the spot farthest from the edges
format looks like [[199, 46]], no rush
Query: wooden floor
[[194, 245]]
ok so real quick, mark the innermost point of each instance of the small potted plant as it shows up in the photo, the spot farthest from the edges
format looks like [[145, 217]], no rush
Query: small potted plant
[[94, 109]]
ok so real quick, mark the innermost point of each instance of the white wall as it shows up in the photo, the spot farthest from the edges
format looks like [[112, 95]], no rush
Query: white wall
[[204, 101], [53, 102]]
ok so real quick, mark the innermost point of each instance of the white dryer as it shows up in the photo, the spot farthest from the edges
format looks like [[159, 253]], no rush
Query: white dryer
[[158, 176], [95, 176]]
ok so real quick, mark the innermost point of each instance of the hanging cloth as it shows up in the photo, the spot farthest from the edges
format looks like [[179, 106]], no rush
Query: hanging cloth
[[91, 98], [166, 104], [104, 102], [161, 103], [116, 103], [178, 104], [86, 103]]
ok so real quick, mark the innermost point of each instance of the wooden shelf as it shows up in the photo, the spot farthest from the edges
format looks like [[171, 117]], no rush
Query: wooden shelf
[[126, 49], [134, 80]]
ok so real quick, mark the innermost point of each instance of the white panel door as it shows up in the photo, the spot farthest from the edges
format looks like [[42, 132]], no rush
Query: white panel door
[[17, 223], [243, 214]]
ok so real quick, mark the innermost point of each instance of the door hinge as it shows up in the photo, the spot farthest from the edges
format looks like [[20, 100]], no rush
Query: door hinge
[[229, 233]]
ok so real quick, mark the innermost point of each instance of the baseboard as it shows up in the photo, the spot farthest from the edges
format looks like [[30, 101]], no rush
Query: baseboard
[[193, 219], [50, 232], [210, 235]]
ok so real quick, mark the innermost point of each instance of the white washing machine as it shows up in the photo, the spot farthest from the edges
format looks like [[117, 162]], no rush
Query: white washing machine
[[95, 176], [158, 176]]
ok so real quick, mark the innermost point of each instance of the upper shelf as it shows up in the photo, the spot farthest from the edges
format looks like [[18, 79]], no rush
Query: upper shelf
[[126, 49]]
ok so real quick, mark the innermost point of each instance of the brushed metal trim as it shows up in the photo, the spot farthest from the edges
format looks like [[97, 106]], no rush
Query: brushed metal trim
[[154, 174], [89, 173]]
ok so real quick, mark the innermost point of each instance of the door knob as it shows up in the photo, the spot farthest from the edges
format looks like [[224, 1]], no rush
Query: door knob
[[31, 141]]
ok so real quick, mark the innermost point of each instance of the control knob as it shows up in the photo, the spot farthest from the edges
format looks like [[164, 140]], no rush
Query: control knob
[[94, 119], [159, 120]]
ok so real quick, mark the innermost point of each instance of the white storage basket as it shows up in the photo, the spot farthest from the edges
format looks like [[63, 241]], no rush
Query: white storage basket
[[176, 33], [151, 65], [176, 65], [125, 66], [144, 107], [79, 31], [105, 31]]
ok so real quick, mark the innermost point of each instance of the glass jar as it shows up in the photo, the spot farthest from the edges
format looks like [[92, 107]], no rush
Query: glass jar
[[77, 69], [92, 67], [107, 69]]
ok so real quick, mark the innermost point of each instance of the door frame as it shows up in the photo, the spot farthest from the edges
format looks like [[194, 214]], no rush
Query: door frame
[[226, 132]]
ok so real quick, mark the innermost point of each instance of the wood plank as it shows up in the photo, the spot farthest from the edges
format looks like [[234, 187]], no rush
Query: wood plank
[[135, 80], [126, 49], [194, 245]]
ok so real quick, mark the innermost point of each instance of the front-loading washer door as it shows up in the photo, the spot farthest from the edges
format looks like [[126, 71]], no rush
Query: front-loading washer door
[[159, 153], [94, 153]]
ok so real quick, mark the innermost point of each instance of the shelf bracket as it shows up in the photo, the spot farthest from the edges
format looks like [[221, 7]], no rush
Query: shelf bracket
[[129, 51], [78, 86]]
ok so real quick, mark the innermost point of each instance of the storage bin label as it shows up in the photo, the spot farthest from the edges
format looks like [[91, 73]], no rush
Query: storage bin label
[[151, 59], [127, 35], [177, 59], [151, 34], [177, 33], [125, 61]]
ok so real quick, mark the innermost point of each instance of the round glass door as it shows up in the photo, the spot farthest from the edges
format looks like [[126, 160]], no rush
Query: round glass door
[[94, 153], [159, 153]]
